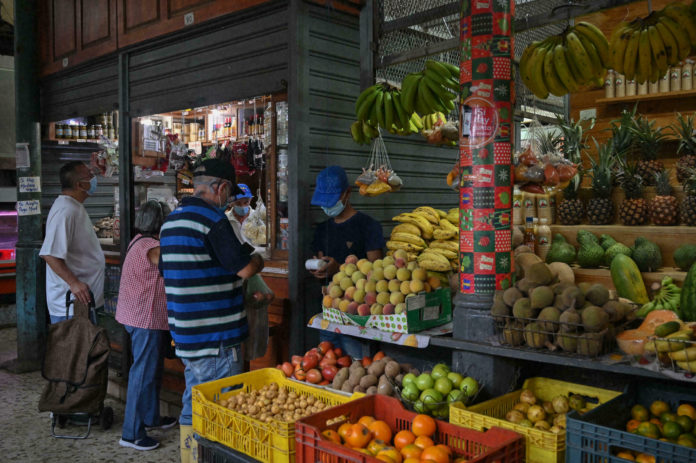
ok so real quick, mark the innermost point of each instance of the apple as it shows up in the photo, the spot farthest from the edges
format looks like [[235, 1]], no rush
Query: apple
[[363, 309], [376, 309], [388, 309], [352, 259], [400, 263], [352, 308], [400, 308], [370, 298]]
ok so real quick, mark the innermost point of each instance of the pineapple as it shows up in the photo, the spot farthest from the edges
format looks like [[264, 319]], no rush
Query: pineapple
[[633, 209], [687, 146], [664, 207], [648, 141], [622, 138], [571, 211], [688, 206], [600, 209]]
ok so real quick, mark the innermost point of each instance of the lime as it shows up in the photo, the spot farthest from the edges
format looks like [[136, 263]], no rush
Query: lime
[[640, 413], [456, 395], [469, 386], [409, 378], [419, 406], [671, 430], [649, 429], [443, 385], [456, 378], [685, 422], [410, 392], [424, 381], [440, 371], [668, 416], [431, 398]]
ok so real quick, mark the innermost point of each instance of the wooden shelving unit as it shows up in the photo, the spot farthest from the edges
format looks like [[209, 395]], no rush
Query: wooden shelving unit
[[650, 97]]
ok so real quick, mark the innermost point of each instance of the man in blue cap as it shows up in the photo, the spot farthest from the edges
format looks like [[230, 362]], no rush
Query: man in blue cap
[[239, 209], [346, 232]]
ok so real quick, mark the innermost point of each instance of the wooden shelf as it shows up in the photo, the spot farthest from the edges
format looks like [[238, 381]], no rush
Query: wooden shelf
[[649, 97], [603, 276], [61, 141]]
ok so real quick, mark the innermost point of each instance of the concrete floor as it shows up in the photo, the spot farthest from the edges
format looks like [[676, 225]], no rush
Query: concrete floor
[[25, 434]]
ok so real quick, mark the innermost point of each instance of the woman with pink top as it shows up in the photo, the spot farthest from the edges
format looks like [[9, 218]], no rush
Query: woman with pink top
[[142, 309]]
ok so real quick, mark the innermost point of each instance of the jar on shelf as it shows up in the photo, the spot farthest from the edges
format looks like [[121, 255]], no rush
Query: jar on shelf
[[609, 89], [91, 133], [83, 131], [643, 88], [687, 73], [619, 85], [631, 87], [75, 131], [664, 82], [654, 87], [59, 131], [98, 130], [675, 78]]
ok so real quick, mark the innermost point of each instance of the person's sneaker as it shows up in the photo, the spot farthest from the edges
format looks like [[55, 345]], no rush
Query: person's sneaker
[[146, 443], [165, 422]]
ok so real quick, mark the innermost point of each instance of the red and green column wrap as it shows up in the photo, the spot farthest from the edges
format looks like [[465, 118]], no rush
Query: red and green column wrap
[[485, 194]]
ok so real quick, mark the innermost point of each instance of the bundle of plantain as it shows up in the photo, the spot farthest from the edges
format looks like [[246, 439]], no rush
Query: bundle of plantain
[[644, 48], [432, 90], [379, 106], [562, 63], [667, 297], [429, 236]]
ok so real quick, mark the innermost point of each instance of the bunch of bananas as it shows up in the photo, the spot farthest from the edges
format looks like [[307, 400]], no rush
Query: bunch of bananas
[[363, 132], [562, 63], [380, 106], [430, 91], [429, 236], [645, 48], [680, 346]]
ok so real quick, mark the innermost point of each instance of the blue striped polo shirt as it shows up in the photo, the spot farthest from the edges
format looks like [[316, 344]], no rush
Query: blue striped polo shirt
[[200, 257]]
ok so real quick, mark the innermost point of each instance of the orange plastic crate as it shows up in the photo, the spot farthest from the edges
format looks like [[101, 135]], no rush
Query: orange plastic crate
[[495, 445]]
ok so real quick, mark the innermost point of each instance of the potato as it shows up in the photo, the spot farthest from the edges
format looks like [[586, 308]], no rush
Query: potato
[[386, 359], [367, 381], [399, 379], [372, 390], [392, 369], [358, 388], [406, 367], [355, 376], [385, 388], [415, 371], [340, 378], [347, 387], [355, 364], [377, 368]]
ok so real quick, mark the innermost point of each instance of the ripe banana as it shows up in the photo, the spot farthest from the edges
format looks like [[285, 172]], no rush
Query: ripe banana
[[439, 234], [442, 244], [433, 261], [447, 225], [453, 215], [680, 35], [631, 56], [688, 366], [618, 46], [430, 213], [407, 228], [680, 14], [553, 83], [595, 59], [408, 238], [685, 355], [657, 46], [578, 54], [408, 247], [644, 56], [449, 255], [597, 38], [417, 220], [560, 63]]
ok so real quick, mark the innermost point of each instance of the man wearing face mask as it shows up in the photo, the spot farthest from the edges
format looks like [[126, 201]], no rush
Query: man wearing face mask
[[346, 232], [71, 247], [204, 266], [240, 209]]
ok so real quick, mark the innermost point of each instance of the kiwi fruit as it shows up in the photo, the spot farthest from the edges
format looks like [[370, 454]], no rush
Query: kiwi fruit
[[569, 320], [559, 287], [523, 309], [541, 296], [548, 318], [500, 311], [584, 286], [513, 333], [616, 310], [525, 285], [597, 294], [594, 319], [511, 295], [566, 341], [572, 298], [539, 274], [590, 344], [534, 336]]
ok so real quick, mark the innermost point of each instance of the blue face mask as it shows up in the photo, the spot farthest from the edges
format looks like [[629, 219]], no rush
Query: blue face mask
[[241, 211], [92, 186], [334, 210]]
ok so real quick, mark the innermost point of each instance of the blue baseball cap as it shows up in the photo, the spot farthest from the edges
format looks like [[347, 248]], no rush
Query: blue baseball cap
[[245, 192], [331, 183]]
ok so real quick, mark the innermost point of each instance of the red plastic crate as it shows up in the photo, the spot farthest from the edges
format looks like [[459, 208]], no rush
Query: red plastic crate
[[496, 445]]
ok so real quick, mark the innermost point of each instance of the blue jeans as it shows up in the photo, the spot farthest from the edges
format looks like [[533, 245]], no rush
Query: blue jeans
[[144, 381], [229, 362], [351, 346], [61, 318]]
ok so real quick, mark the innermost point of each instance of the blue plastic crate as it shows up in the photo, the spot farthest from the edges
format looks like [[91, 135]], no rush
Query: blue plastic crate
[[597, 435], [213, 452]]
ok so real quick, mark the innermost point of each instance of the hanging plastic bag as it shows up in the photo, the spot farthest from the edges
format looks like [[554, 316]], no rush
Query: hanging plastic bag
[[257, 298], [378, 177], [254, 227]]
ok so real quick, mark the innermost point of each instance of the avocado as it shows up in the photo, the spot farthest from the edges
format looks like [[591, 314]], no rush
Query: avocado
[[606, 241], [590, 255], [647, 255], [685, 256], [616, 248], [586, 237], [561, 250]]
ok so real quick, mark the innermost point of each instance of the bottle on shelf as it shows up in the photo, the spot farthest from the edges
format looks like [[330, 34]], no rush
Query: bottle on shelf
[[543, 239], [529, 237], [517, 198], [59, 131]]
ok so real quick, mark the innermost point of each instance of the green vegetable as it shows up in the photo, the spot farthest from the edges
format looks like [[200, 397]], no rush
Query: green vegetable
[[685, 256], [666, 329], [616, 248], [561, 250], [586, 237], [590, 255], [606, 241], [628, 280], [688, 296], [647, 255], [667, 298]]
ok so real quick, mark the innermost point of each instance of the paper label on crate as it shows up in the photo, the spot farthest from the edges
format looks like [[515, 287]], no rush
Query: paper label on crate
[[29, 184], [22, 156], [431, 312], [415, 303], [32, 207]]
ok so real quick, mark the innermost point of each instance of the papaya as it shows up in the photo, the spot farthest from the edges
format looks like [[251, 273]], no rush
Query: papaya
[[628, 280], [688, 296]]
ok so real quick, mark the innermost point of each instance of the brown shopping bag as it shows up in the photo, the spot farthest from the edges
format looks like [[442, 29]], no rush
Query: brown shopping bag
[[257, 298]]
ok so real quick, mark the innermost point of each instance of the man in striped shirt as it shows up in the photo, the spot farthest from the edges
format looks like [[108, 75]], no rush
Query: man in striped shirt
[[204, 265]]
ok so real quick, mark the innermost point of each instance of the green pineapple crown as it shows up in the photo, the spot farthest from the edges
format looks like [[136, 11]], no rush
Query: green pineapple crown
[[663, 187], [647, 138], [548, 142], [601, 171], [571, 191], [622, 137], [684, 128], [630, 181], [573, 140]]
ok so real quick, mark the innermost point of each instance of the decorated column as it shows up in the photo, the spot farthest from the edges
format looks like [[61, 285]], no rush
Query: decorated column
[[487, 89]]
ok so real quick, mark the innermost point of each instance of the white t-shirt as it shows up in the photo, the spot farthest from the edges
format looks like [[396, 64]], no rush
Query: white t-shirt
[[70, 236]]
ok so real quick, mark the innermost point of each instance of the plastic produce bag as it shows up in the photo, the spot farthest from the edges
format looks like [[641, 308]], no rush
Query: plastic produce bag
[[378, 177], [257, 298], [254, 227]]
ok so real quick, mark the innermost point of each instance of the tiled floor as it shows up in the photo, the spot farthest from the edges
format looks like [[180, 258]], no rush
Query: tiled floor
[[25, 434]]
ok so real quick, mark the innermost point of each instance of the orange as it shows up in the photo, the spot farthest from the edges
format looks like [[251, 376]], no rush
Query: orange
[[411, 451], [688, 410], [640, 413], [343, 430], [385, 458], [378, 356], [380, 430], [424, 442], [366, 420], [645, 458], [332, 435], [358, 436], [436, 454], [375, 446], [392, 453], [411, 460], [445, 449], [658, 407], [657, 423], [423, 425], [631, 425], [461, 460], [625, 455], [403, 438], [649, 429]]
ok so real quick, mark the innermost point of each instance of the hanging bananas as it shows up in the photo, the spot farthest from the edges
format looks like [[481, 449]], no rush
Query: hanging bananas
[[645, 48], [432, 90], [363, 132], [562, 63], [381, 106]]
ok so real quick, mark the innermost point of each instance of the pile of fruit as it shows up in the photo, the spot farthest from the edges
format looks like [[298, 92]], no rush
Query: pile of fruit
[[429, 236], [432, 392], [660, 422], [675, 344], [361, 287], [645, 48], [560, 64], [375, 438], [546, 309], [376, 375], [532, 412], [632, 455], [272, 402], [318, 365]]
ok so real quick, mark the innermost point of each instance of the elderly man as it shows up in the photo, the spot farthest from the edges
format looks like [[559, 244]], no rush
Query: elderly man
[[204, 265], [71, 248]]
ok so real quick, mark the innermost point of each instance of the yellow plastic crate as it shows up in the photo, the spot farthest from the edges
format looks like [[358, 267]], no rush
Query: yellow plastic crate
[[267, 442], [542, 446]]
